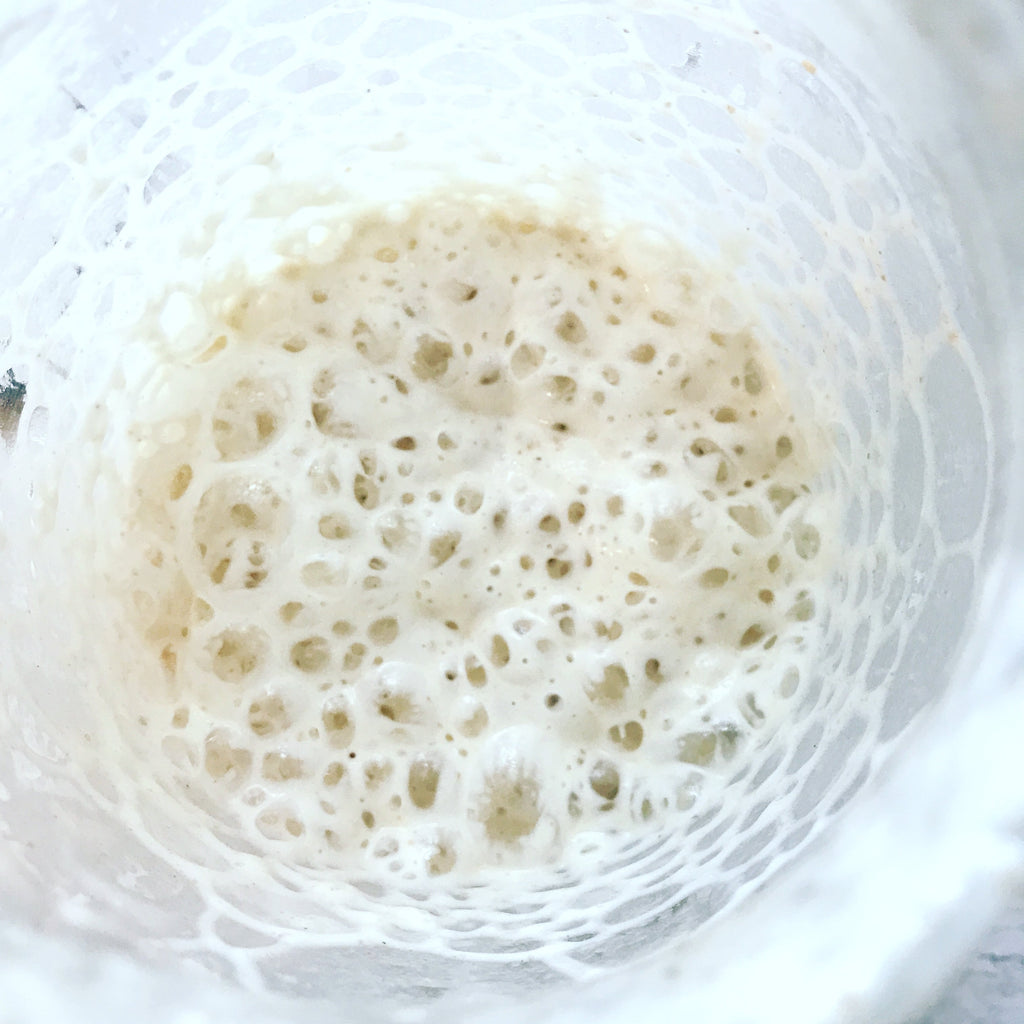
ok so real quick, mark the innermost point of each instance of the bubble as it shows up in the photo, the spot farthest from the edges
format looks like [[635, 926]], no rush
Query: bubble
[[652, 669], [337, 722], [604, 780], [784, 447], [806, 541], [751, 520], [334, 526], [398, 532], [353, 657], [570, 328], [510, 808], [628, 736], [781, 498], [180, 482], [753, 377], [424, 776], [248, 417], [311, 655], [550, 524], [558, 568], [432, 357], [468, 500], [268, 715], [180, 718], [672, 535], [333, 774], [290, 611], [223, 760], [278, 823], [325, 407], [377, 772], [697, 748], [560, 388], [659, 316], [475, 672], [712, 579], [642, 354], [365, 491], [397, 706], [237, 653], [752, 635], [383, 631], [704, 446], [323, 478], [726, 414], [442, 860], [615, 505], [526, 359], [281, 767], [404, 444], [234, 521], [443, 546], [790, 682], [803, 608], [499, 651], [612, 686]]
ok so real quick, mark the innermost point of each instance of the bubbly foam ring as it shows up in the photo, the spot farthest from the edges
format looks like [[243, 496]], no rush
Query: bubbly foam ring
[[481, 536]]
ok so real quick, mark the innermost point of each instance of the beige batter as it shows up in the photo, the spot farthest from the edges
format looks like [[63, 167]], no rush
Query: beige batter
[[489, 533]]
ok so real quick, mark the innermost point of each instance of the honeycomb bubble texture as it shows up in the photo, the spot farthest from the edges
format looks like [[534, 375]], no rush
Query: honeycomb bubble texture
[[751, 146]]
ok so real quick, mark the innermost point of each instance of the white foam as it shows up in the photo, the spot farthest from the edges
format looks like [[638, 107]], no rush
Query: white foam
[[477, 536]]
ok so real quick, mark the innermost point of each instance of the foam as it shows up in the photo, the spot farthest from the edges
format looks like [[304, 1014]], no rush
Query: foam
[[484, 535]]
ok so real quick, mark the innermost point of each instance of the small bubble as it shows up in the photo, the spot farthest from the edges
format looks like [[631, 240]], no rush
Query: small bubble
[[180, 482], [806, 541], [560, 388], [365, 491], [652, 669], [443, 547], [712, 579], [468, 500], [612, 686], [558, 568], [499, 651], [604, 780], [550, 524], [334, 527], [629, 736], [424, 777], [289, 611], [753, 634], [383, 631], [280, 767], [311, 655], [571, 329]]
